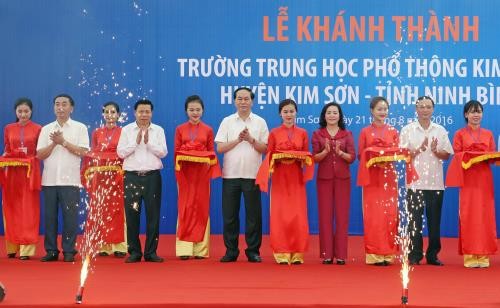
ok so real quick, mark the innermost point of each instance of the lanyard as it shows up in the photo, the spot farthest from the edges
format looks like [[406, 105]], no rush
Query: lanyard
[[193, 135], [290, 132], [475, 138], [110, 136], [376, 134], [21, 136]]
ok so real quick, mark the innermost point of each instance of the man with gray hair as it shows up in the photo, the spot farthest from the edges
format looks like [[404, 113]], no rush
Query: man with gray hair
[[429, 146]]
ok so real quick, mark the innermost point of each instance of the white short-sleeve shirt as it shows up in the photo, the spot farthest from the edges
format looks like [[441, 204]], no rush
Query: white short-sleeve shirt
[[62, 168], [427, 165], [242, 161]]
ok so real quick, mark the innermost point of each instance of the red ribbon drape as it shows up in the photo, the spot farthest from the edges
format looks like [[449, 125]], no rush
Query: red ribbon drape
[[376, 156], [462, 161], [266, 167]]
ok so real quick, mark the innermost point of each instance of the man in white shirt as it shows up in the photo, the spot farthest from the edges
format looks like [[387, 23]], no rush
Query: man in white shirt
[[142, 145], [61, 145], [429, 145], [242, 137]]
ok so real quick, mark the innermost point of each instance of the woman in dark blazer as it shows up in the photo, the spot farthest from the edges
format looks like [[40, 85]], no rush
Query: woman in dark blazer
[[333, 149]]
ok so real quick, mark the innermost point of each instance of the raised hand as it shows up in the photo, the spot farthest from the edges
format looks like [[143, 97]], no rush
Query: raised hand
[[146, 135], [139, 137], [327, 148], [337, 148], [245, 135], [434, 144], [424, 144], [57, 137]]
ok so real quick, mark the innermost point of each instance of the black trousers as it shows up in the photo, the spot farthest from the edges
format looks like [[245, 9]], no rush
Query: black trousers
[[140, 188], [231, 197], [432, 200], [66, 197]]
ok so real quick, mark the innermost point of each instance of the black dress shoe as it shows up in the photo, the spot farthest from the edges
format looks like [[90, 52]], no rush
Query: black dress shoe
[[340, 262], [297, 262], [103, 254], [435, 262], [153, 258], [184, 258], [24, 258], [227, 258], [327, 261], [413, 262], [133, 259], [11, 255], [379, 263], [69, 257], [283, 263], [199, 257], [387, 263], [119, 254], [254, 259], [50, 257]]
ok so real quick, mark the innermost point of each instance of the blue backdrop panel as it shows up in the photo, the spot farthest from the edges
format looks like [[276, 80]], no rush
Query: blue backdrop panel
[[313, 52]]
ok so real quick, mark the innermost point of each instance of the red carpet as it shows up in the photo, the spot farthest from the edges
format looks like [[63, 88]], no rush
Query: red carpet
[[209, 283]]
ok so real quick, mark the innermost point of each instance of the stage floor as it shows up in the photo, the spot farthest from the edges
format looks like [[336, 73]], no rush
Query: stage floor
[[209, 283]]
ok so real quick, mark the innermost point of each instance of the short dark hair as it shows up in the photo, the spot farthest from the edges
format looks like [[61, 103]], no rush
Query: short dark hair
[[23, 101], [111, 103], [143, 102], [71, 101], [375, 100], [421, 98], [193, 98], [471, 106], [286, 102], [322, 117], [243, 88]]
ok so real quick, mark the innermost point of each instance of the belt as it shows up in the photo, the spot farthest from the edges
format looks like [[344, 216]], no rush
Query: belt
[[142, 173]]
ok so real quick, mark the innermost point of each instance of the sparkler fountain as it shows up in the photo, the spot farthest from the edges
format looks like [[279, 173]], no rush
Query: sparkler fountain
[[83, 277]]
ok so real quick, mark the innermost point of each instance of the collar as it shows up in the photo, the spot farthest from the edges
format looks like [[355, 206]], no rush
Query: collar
[[237, 116], [383, 126], [25, 125], [107, 128], [191, 124], [135, 126], [431, 126], [472, 129], [67, 123], [286, 127], [340, 134]]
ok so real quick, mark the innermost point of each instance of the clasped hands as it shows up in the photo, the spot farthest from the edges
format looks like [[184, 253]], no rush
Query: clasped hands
[[425, 144], [57, 137], [245, 136], [142, 134], [328, 147]]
